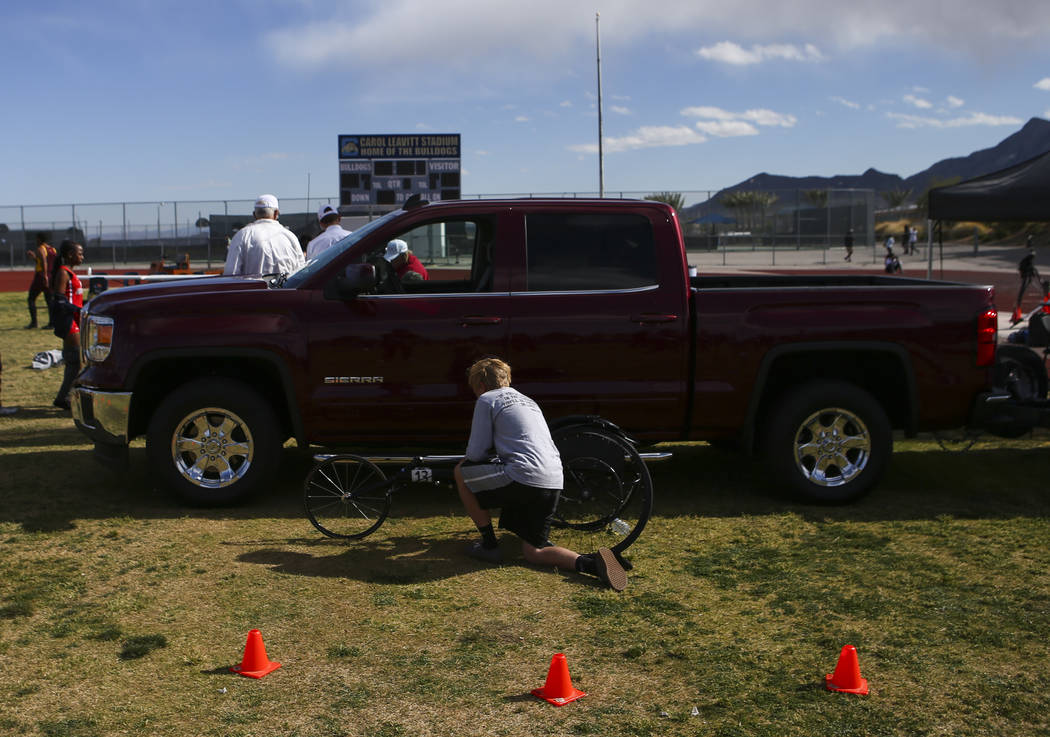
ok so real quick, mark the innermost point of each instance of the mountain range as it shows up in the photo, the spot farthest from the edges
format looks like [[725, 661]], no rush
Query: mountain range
[[1033, 139]]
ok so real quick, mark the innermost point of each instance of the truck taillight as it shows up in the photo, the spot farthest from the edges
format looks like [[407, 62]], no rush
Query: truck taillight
[[987, 327]]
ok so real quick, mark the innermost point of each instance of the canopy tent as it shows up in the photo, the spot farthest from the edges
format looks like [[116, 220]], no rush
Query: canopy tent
[[713, 218], [1020, 192]]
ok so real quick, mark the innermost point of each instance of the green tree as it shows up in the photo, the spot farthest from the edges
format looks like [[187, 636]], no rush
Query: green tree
[[751, 206], [894, 198], [816, 197], [674, 199], [739, 202]]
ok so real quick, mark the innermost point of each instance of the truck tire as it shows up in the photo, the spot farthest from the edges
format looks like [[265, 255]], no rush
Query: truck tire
[[213, 442], [1022, 372], [828, 441]]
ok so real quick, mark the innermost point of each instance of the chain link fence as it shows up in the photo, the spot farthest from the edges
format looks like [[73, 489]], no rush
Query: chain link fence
[[733, 227]]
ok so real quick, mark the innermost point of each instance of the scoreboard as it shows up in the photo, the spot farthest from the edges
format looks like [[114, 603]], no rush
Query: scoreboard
[[380, 172]]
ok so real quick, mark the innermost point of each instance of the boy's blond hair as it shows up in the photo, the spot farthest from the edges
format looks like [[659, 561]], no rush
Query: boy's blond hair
[[489, 374]]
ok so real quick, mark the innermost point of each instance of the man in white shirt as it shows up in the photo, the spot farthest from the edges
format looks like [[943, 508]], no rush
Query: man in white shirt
[[329, 218], [264, 246]]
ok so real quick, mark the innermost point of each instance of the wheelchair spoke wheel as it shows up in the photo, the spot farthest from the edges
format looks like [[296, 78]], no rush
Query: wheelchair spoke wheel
[[346, 496], [608, 494]]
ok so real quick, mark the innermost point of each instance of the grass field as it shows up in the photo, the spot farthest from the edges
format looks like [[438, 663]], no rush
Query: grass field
[[121, 611]]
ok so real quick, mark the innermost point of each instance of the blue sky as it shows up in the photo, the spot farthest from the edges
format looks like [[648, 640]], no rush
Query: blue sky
[[158, 100]]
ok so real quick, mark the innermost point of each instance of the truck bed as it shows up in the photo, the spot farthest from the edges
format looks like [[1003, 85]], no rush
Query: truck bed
[[807, 281]]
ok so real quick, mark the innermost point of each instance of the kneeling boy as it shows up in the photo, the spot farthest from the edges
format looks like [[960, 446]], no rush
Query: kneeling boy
[[524, 479]]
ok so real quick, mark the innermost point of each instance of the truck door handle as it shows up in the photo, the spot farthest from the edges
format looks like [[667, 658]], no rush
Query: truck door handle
[[480, 320], [651, 318]]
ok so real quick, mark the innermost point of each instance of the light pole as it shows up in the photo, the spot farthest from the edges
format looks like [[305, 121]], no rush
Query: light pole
[[601, 157]]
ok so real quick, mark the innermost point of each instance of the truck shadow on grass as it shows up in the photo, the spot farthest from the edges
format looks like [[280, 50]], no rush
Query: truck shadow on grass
[[992, 483], [47, 490]]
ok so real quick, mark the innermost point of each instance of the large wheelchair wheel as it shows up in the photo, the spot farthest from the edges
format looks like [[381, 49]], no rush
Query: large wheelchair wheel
[[346, 496], [608, 494]]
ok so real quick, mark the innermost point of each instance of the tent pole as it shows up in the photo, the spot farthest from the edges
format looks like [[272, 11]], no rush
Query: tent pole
[[929, 249]]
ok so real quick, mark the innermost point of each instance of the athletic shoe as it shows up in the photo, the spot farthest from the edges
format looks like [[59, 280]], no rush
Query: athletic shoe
[[62, 404], [8, 411], [609, 569], [480, 552]]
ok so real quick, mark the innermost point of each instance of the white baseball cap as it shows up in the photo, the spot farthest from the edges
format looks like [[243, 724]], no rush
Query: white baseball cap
[[394, 249], [266, 200], [325, 211]]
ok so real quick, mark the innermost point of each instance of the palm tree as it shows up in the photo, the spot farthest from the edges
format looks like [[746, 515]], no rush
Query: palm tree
[[894, 198], [674, 199], [816, 197]]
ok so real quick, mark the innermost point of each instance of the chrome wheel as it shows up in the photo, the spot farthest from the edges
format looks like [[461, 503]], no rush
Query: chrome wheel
[[212, 447], [832, 447]]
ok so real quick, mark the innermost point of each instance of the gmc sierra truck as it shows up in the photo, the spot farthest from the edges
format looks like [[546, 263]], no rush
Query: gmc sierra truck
[[591, 303]]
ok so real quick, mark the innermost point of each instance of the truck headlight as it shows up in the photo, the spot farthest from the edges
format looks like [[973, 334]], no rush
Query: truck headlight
[[98, 337]]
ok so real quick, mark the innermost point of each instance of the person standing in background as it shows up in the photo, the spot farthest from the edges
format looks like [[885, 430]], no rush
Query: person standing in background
[[66, 305], [264, 246], [330, 219], [43, 255]]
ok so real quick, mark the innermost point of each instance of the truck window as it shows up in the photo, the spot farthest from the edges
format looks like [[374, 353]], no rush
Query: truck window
[[457, 255], [588, 252]]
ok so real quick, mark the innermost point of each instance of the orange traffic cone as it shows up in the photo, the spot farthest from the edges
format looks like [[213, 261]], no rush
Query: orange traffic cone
[[255, 663], [846, 678], [558, 689], [1017, 316]]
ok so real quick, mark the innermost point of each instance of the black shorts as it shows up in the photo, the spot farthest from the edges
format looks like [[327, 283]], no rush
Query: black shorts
[[524, 510]]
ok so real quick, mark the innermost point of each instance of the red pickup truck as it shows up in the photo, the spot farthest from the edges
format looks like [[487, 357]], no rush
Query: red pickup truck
[[591, 303]]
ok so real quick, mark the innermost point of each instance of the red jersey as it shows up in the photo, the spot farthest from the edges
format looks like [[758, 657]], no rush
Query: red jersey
[[75, 298], [412, 264]]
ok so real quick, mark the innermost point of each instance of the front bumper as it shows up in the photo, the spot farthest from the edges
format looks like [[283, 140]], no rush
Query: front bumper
[[102, 416]]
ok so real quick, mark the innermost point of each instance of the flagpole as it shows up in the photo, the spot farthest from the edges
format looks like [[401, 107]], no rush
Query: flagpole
[[601, 156]]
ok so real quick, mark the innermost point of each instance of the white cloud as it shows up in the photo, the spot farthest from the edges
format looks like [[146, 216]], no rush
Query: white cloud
[[564, 103], [758, 116], [918, 121], [649, 136], [954, 101], [726, 128], [505, 35], [1043, 84], [620, 110], [768, 117], [716, 113], [481, 152], [521, 119], [727, 52], [714, 121], [918, 102], [846, 103]]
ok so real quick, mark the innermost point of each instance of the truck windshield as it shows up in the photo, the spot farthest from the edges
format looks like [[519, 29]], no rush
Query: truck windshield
[[333, 252]]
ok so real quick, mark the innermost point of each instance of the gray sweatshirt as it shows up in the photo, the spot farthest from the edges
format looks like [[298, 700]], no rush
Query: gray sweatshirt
[[512, 424]]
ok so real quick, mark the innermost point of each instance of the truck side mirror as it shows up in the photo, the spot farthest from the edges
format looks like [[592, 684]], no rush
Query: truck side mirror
[[357, 278]]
